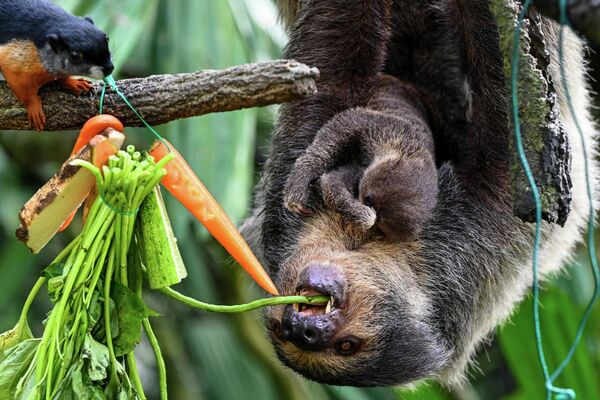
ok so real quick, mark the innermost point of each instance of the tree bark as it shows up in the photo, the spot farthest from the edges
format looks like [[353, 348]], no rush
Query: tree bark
[[163, 98], [583, 15], [544, 137]]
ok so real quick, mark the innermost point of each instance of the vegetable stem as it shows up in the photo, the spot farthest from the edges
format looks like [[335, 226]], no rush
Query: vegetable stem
[[32, 295], [135, 375], [270, 301], [160, 361]]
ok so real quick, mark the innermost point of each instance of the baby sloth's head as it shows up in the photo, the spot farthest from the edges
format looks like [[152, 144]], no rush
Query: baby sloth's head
[[402, 190]]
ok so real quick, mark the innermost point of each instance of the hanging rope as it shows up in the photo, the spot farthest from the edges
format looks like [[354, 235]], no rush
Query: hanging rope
[[110, 81], [560, 393]]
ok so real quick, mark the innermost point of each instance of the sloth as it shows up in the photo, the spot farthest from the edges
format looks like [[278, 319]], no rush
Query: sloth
[[404, 311], [397, 187]]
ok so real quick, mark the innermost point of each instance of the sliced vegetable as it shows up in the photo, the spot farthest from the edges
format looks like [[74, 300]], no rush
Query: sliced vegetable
[[93, 126], [189, 190], [157, 243], [52, 204]]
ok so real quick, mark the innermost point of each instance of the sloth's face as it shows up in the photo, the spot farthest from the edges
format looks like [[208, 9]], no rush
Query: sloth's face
[[375, 329]]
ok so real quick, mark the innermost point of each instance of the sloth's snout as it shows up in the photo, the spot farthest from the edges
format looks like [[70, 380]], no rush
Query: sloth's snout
[[307, 332], [313, 326]]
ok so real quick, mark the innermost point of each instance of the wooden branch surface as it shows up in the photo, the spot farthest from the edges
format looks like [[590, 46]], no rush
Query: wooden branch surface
[[583, 15], [163, 98]]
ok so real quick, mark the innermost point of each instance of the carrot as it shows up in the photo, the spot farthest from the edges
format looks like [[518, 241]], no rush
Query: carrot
[[93, 126], [187, 188]]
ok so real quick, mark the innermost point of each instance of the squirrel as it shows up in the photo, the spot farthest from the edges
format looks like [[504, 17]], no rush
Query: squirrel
[[39, 43]]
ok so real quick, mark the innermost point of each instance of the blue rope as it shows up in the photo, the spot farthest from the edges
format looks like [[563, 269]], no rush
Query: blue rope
[[110, 81], [591, 216], [560, 393]]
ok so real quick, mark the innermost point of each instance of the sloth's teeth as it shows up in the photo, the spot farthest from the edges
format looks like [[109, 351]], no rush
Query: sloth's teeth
[[328, 307], [296, 307]]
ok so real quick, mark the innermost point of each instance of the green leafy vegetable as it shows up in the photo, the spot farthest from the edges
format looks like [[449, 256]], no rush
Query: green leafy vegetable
[[16, 372], [95, 284], [131, 310]]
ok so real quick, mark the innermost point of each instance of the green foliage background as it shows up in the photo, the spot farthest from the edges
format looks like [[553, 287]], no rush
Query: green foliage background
[[223, 356]]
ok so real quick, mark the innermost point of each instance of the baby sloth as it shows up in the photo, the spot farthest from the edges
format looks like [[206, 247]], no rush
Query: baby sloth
[[392, 186]]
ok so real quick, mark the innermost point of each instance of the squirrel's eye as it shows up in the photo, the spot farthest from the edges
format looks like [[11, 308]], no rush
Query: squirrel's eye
[[76, 56]]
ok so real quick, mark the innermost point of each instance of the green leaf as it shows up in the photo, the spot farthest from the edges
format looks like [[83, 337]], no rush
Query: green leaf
[[53, 270], [119, 386], [130, 312], [83, 388], [54, 273], [95, 309], [98, 358], [14, 367], [13, 337]]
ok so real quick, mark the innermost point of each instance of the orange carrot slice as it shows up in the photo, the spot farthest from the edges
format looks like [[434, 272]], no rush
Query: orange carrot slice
[[91, 128], [187, 188]]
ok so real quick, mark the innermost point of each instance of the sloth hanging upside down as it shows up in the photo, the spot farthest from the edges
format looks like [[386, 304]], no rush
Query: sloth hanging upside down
[[422, 272]]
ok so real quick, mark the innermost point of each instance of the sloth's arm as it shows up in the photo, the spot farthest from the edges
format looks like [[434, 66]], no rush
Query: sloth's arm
[[483, 159], [354, 133], [334, 139], [347, 41]]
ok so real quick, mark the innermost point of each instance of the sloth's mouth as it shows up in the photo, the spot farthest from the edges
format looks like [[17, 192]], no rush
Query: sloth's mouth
[[320, 308]]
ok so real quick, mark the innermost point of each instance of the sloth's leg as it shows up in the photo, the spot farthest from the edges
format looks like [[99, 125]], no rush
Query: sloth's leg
[[340, 136]]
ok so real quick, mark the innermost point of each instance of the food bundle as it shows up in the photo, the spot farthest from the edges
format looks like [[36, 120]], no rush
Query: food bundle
[[95, 284]]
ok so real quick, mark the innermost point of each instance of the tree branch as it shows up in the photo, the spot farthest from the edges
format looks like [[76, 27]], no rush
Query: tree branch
[[583, 15], [163, 98]]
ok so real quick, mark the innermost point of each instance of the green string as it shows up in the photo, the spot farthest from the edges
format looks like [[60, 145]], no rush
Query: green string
[[560, 393], [102, 95], [591, 216], [125, 213], [110, 81]]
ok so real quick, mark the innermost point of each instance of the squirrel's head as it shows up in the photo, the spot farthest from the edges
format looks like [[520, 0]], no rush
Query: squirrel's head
[[77, 48]]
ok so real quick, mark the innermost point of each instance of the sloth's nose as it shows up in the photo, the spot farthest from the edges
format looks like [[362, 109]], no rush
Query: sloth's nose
[[313, 326], [307, 332]]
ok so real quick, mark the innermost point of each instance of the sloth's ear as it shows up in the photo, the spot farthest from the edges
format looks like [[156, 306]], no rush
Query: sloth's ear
[[89, 19]]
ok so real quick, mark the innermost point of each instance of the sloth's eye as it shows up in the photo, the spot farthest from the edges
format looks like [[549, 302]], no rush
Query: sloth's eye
[[347, 346], [368, 200]]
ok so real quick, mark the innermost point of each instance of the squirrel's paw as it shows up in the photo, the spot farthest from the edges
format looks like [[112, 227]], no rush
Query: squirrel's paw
[[77, 86], [36, 116]]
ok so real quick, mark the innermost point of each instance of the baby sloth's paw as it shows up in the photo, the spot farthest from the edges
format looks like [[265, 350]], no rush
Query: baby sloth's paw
[[364, 216], [337, 190]]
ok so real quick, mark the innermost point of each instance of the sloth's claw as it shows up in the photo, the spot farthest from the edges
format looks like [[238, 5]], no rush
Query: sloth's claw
[[299, 209]]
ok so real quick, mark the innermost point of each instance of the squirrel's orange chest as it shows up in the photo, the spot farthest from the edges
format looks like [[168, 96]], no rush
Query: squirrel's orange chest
[[20, 58], [23, 70]]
